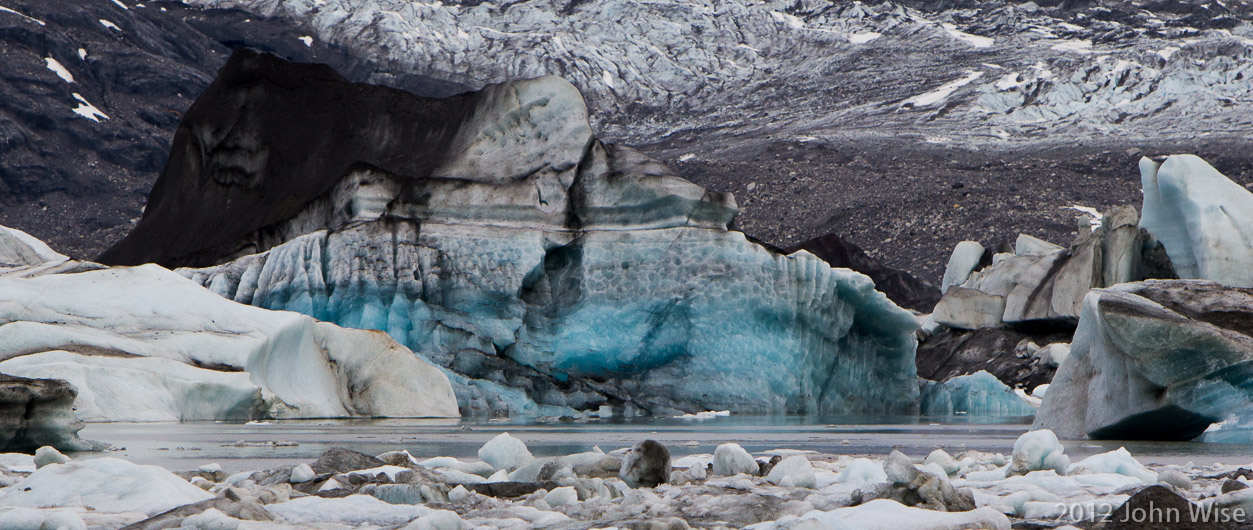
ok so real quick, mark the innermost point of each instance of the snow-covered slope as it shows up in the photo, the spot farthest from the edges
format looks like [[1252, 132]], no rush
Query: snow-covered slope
[[821, 67]]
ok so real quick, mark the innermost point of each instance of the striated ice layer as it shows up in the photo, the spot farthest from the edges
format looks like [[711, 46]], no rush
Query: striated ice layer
[[682, 318]]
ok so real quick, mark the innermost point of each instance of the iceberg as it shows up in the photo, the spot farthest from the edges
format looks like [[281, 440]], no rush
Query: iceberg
[[1156, 360], [1201, 217], [146, 344], [977, 394], [542, 269]]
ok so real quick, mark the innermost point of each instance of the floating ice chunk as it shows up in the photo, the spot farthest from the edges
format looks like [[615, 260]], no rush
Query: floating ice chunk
[[49, 455], [505, 452], [797, 469], [1038, 450], [307, 40], [302, 473], [562, 496], [458, 494], [942, 92], [107, 485], [351, 510], [899, 468], [707, 415], [59, 69], [864, 471], [944, 461], [474, 468], [36, 519], [1119, 461], [109, 25], [731, 459], [87, 110], [1175, 478]]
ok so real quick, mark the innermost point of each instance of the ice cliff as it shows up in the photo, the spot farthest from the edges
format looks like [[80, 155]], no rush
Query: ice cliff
[[493, 234]]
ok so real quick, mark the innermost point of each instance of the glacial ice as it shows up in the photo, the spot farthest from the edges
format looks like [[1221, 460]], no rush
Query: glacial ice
[[731, 459], [977, 394], [1119, 462], [104, 485], [1158, 360], [145, 344], [350, 510], [567, 261], [863, 471], [1039, 450], [795, 469], [505, 452], [1201, 217]]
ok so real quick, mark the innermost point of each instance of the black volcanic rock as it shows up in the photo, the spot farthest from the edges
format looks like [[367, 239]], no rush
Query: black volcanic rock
[[79, 184], [267, 138], [954, 352], [901, 287]]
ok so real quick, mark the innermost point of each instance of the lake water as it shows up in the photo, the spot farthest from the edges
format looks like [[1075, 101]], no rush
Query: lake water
[[239, 446]]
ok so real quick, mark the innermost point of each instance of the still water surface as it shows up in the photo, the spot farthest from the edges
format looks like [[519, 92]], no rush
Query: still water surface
[[239, 446]]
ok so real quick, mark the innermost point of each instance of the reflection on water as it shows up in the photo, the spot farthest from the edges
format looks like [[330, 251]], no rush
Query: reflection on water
[[244, 446]]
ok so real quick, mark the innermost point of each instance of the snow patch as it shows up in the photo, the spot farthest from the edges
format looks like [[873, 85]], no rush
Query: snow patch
[[121, 5], [87, 110], [1094, 216], [1074, 45], [1167, 52], [973, 40], [942, 93], [686, 157], [59, 69], [82, 54], [109, 25], [790, 20], [864, 37], [307, 40], [35, 20]]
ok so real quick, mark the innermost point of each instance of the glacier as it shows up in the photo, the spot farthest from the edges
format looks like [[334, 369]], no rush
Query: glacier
[[544, 270]]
